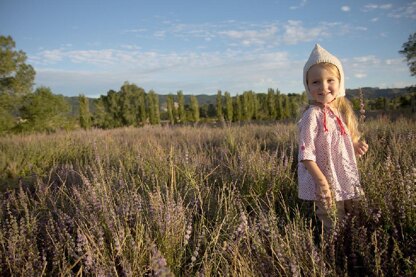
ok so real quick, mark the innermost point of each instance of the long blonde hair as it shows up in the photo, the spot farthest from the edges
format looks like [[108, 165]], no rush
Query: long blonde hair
[[344, 106]]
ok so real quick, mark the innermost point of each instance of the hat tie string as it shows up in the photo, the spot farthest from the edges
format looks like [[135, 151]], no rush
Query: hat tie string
[[326, 108]]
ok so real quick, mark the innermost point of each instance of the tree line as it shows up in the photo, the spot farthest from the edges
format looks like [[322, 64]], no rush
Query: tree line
[[25, 110], [132, 106]]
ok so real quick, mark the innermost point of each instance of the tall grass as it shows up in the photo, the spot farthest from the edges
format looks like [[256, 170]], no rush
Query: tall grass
[[184, 201]]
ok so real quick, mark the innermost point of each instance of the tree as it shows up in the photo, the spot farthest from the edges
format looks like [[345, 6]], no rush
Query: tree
[[43, 111], [220, 117], [170, 106], [16, 77], [248, 105], [142, 106], [127, 104], [181, 107], [194, 108], [153, 107], [255, 106], [7, 120], [285, 106], [84, 112], [101, 117], [237, 109], [228, 107], [409, 51], [271, 104], [111, 103]]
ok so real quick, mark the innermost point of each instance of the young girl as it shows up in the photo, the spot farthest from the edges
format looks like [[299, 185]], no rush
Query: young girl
[[328, 140]]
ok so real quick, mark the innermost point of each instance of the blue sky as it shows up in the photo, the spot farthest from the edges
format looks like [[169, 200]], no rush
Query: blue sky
[[200, 47]]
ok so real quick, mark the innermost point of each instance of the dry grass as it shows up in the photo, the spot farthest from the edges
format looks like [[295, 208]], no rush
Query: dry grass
[[200, 201]]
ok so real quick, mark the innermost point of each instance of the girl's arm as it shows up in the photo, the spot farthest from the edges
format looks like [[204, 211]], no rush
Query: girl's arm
[[320, 180]]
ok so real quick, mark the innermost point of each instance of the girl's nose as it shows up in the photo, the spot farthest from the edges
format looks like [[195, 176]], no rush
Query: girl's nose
[[324, 87]]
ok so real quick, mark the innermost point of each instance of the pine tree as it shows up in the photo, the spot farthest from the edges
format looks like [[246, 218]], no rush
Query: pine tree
[[255, 106], [285, 106], [84, 112], [111, 102], [100, 115], [194, 108], [153, 107], [142, 115], [271, 104], [181, 107], [170, 107], [220, 116], [128, 103], [237, 109], [228, 107], [279, 106]]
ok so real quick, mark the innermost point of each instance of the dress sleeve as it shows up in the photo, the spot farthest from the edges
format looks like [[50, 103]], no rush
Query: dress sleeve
[[308, 131]]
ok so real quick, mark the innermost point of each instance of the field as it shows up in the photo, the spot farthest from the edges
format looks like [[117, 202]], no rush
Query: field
[[198, 201]]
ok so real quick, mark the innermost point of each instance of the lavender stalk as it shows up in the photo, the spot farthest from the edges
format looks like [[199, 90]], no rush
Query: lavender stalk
[[362, 114]]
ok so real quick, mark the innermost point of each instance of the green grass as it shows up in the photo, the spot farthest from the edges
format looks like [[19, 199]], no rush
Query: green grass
[[198, 201]]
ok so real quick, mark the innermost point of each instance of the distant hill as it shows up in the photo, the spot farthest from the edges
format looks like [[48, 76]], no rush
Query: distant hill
[[369, 93]]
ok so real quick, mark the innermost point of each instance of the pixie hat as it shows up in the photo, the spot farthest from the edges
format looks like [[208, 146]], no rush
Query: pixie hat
[[320, 55]]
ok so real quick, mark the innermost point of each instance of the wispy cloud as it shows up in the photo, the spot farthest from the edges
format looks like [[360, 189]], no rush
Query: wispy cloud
[[345, 8], [198, 72], [372, 7], [295, 32], [301, 5], [252, 37], [252, 59], [368, 60], [368, 68], [360, 75], [242, 34], [406, 11]]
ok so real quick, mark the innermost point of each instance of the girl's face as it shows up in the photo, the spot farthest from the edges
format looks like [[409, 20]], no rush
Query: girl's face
[[323, 83]]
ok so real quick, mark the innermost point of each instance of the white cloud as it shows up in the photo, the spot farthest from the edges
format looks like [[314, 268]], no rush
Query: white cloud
[[159, 34], [393, 61], [139, 30], [345, 8], [371, 59], [301, 5], [372, 7], [251, 61], [376, 72], [295, 32], [360, 75], [130, 46], [386, 6], [52, 56], [235, 71], [252, 37], [407, 11]]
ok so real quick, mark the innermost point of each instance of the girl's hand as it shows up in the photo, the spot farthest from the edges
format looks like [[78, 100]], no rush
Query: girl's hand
[[360, 148], [325, 195]]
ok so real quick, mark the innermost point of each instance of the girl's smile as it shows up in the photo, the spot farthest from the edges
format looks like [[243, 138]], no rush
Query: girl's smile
[[323, 84]]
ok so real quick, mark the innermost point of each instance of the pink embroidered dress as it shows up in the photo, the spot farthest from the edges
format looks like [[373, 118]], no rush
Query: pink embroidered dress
[[325, 139]]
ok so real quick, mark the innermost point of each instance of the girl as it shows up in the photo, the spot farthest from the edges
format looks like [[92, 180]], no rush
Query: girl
[[328, 140]]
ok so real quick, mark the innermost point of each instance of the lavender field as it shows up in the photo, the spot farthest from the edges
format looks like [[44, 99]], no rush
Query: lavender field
[[197, 201]]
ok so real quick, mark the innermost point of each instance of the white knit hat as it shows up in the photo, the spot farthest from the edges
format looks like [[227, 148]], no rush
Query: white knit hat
[[320, 55]]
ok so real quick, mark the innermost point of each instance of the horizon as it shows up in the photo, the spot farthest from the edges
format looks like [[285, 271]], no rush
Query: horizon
[[90, 47]]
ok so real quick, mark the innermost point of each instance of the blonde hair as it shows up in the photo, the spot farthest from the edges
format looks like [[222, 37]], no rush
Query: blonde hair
[[343, 105]]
